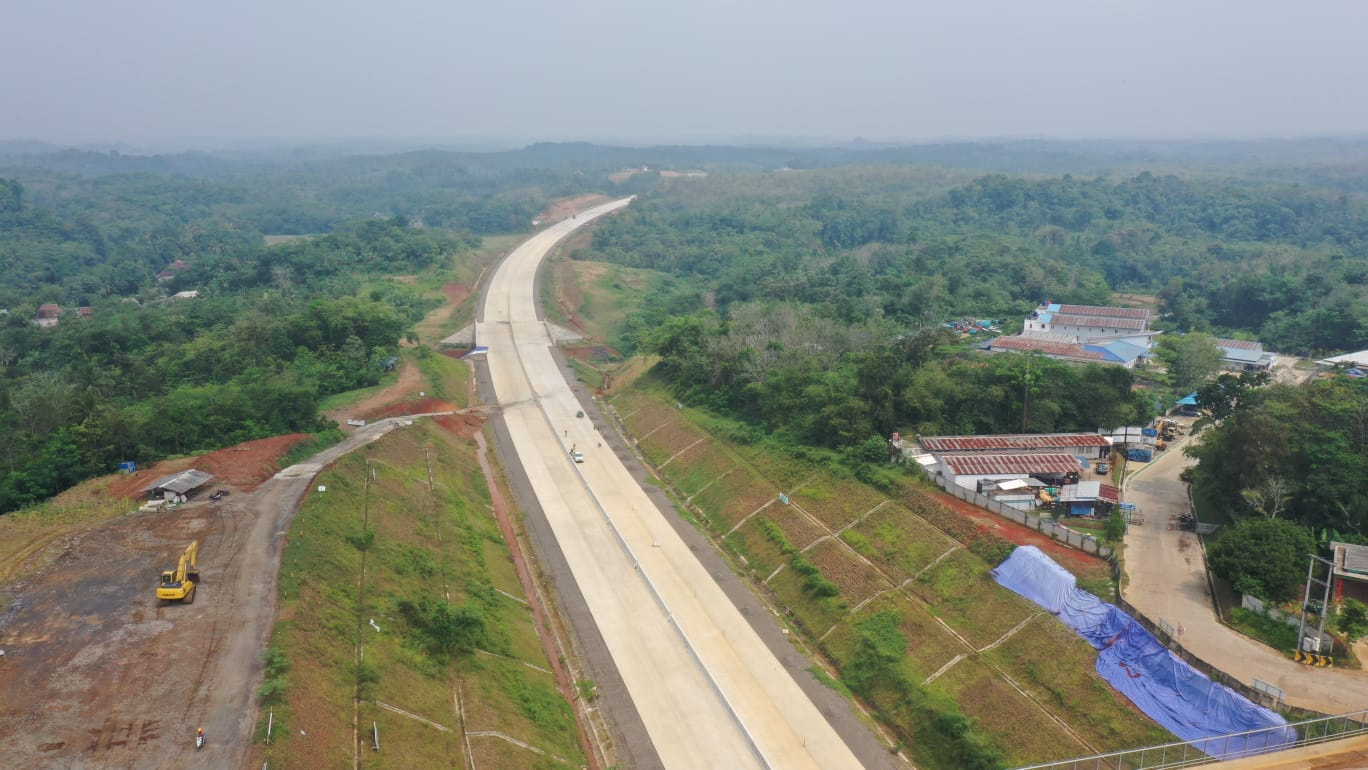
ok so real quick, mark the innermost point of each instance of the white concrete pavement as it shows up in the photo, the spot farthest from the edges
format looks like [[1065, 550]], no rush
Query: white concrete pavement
[[1166, 579], [708, 690]]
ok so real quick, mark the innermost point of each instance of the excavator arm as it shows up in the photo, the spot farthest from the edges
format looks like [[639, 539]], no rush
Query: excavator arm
[[180, 585]]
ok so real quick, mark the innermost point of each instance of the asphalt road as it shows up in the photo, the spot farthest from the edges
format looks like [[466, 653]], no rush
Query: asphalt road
[[1166, 579], [707, 689]]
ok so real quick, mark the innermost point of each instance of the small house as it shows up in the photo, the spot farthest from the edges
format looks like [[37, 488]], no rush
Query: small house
[[48, 315], [1245, 356]]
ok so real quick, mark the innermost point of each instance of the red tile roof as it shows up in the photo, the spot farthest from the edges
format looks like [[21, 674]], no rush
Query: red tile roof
[[1013, 441], [1063, 319], [1106, 312], [998, 464], [1240, 344]]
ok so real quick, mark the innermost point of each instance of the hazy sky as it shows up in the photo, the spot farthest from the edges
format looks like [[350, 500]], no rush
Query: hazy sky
[[213, 73]]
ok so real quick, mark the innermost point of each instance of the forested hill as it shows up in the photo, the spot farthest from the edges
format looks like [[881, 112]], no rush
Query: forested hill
[[1285, 264], [268, 330]]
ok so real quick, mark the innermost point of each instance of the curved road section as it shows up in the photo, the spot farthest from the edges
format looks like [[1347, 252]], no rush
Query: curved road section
[[709, 692], [1167, 580]]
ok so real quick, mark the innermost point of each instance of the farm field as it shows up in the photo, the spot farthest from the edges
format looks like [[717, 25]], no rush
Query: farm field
[[896, 593]]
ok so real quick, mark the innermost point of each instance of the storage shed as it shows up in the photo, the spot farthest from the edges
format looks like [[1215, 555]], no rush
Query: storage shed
[[1088, 498], [178, 486]]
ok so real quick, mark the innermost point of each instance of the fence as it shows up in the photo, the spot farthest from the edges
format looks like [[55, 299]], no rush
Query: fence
[[1085, 543], [1187, 754]]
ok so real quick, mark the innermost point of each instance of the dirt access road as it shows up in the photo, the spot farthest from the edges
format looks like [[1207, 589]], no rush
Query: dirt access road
[[96, 673], [1166, 569]]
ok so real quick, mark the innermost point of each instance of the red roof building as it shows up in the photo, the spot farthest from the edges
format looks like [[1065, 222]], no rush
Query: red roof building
[[967, 470], [1016, 443]]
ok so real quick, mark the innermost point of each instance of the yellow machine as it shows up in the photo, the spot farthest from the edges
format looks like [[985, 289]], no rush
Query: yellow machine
[[180, 584]]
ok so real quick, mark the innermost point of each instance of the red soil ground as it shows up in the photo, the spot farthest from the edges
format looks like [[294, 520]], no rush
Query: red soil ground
[[240, 467], [1080, 564]]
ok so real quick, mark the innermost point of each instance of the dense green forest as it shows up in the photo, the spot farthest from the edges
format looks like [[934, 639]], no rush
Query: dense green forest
[[809, 303], [809, 290], [1285, 264], [271, 329]]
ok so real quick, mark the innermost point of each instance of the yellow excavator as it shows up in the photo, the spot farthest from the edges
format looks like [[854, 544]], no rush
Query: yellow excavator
[[179, 585]]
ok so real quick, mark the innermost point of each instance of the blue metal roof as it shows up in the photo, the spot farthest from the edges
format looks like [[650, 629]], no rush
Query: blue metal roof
[[1125, 351], [1188, 400], [1107, 355]]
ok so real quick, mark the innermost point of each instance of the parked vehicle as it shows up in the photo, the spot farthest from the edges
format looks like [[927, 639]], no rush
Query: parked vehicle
[[576, 455], [1101, 467]]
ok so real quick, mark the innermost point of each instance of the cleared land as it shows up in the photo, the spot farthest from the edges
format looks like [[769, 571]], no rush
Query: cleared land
[[98, 673]]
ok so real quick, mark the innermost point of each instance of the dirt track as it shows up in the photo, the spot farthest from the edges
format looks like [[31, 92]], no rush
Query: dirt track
[[97, 674]]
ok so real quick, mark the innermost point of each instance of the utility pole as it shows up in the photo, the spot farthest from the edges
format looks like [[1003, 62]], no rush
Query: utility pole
[[1026, 394], [1306, 603]]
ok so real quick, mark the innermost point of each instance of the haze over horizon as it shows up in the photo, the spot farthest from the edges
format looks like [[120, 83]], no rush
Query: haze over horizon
[[179, 75]]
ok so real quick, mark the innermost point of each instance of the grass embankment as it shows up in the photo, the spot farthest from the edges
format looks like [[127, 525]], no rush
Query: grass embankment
[[895, 590], [456, 672]]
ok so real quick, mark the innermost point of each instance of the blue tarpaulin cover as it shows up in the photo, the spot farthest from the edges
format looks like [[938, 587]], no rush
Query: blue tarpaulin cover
[[1159, 683]]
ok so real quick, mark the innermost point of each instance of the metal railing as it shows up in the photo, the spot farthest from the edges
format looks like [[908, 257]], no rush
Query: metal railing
[[1221, 747]]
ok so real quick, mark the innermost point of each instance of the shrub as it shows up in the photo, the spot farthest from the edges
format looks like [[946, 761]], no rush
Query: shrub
[[1352, 619], [445, 629]]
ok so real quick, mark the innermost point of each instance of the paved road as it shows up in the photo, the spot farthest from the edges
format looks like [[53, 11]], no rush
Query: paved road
[[1166, 574], [708, 691]]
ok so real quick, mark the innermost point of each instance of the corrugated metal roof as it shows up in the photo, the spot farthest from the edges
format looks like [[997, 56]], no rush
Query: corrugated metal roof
[[1012, 441], [1087, 491], [1351, 558], [998, 464], [180, 483], [1065, 339], [1243, 355], [1126, 351], [1240, 344], [1353, 359], [1063, 319], [1105, 312]]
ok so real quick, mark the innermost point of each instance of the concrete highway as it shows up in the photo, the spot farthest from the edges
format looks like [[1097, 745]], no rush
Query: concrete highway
[[709, 692]]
